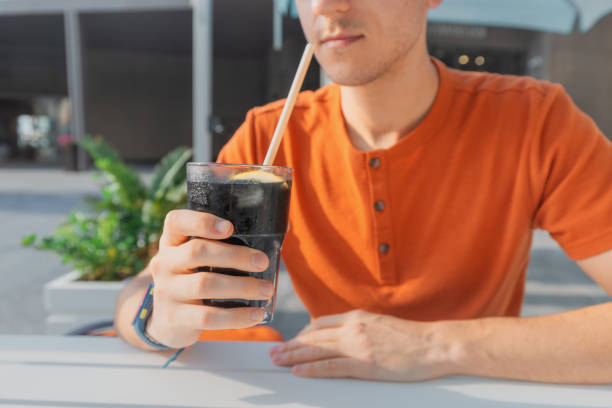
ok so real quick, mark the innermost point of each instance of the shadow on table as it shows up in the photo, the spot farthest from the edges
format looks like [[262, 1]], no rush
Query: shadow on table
[[271, 386], [458, 392], [452, 392]]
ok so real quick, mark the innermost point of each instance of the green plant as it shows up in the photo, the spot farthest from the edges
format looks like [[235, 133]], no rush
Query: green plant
[[118, 234]]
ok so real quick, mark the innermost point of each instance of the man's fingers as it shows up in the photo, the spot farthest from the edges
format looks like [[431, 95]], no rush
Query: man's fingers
[[184, 258], [203, 252], [307, 353], [212, 318], [210, 285], [340, 367], [179, 225], [311, 338]]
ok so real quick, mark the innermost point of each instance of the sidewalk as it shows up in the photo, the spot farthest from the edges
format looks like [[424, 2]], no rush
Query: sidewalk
[[36, 200]]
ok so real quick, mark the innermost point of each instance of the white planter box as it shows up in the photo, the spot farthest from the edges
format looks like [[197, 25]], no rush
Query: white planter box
[[70, 304]]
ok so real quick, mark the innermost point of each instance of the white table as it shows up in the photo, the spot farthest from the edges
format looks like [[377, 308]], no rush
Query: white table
[[49, 371]]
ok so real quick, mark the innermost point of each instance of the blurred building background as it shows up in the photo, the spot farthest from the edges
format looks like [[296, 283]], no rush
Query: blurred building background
[[135, 70], [137, 64]]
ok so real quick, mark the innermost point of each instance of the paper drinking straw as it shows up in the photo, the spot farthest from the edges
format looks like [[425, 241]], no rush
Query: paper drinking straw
[[298, 80]]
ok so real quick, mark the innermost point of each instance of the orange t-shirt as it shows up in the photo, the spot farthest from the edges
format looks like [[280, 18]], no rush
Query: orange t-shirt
[[439, 226]]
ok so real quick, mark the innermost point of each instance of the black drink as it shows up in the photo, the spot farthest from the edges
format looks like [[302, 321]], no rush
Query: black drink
[[258, 211]]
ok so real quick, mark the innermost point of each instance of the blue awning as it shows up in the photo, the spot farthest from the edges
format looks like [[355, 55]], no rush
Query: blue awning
[[543, 15], [558, 16], [591, 11]]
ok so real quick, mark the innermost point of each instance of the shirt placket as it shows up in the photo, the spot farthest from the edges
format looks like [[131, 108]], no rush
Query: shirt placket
[[378, 165]]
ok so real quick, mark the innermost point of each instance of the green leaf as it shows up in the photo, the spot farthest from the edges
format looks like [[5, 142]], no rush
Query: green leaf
[[169, 172], [123, 182], [117, 235], [177, 195], [28, 240], [98, 149], [168, 175]]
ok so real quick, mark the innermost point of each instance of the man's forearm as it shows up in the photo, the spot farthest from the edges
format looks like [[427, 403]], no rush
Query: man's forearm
[[127, 305], [572, 347]]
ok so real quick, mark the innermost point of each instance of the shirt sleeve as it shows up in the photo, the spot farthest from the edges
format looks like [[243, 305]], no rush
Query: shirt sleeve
[[573, 168]]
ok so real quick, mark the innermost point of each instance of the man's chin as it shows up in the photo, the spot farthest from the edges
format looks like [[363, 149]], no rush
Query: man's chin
[[350, 72], [350, 79]]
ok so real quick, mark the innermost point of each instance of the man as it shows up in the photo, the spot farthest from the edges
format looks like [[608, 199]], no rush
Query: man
[[416, 190]]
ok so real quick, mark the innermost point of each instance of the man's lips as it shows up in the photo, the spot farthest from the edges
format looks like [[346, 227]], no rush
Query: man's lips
[[339, 41]]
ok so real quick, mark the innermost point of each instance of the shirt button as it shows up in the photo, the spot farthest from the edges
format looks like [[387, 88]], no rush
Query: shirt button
[[379, 205], [383, 248], [375, 163]]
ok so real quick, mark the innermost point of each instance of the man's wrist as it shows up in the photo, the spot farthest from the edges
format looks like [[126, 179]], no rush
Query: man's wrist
[[150, 330], [448, 346], [142, 319]]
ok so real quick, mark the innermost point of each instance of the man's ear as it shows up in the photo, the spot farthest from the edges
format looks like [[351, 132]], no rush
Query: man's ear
[[432, 4]]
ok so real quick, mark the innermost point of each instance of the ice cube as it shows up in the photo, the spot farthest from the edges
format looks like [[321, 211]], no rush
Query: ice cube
[[249, 197]]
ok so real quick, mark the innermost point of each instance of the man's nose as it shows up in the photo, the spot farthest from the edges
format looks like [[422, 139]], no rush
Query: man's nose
[[327, 7]]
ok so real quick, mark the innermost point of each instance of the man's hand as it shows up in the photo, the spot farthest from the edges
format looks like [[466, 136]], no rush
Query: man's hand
[[178, 314], [364, 345]]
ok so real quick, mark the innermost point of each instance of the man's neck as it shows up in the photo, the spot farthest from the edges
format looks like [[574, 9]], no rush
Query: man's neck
[[380, 113]]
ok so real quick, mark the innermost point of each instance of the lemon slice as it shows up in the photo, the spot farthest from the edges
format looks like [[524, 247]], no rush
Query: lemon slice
[[260, 176]]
